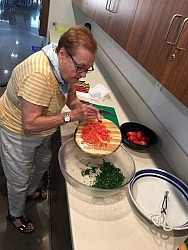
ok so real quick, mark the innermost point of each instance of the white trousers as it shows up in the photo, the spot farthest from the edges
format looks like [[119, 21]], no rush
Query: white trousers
[[24, 160]]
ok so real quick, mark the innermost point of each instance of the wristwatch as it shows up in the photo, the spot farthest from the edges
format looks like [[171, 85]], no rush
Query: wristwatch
[[67, 117]]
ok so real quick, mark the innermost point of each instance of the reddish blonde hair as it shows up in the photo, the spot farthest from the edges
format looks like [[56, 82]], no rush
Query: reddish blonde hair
[[77, 36]]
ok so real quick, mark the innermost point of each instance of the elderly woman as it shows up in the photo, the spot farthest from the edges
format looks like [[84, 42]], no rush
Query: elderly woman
[[30, 112]]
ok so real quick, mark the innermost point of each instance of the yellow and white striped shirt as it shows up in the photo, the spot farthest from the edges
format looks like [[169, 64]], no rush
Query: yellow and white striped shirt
[[33, 80]]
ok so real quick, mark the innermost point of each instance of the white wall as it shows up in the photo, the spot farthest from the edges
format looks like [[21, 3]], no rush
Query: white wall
[[61, 11]]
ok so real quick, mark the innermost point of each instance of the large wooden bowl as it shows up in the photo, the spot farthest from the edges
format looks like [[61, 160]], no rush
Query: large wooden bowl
[[115, 139]]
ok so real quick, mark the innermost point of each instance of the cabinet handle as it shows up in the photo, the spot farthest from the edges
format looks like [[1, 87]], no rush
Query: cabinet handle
[[111, 6], [107, 5], [172, 57], [179, 33], [170, 26]]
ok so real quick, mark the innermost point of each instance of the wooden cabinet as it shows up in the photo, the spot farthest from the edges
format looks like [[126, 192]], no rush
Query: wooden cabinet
[[158, 41], [116, 17], [59, 214], [121, 22], [44, 13], [113, 16], [141, 28], [102, 16]]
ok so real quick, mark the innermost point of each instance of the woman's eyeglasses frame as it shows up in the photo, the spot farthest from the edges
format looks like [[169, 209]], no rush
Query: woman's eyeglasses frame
[[79, 68]]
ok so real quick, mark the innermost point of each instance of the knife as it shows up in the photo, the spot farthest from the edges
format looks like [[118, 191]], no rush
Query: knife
[[101, 111], [105, 112]]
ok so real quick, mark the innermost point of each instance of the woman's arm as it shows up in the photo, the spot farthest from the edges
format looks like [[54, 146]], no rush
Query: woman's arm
[[34, 121], [72, 99]]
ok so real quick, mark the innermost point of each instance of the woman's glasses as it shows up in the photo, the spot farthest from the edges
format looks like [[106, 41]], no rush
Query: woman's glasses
[[79, 68]]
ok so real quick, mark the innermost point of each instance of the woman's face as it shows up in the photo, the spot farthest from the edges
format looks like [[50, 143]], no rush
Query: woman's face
[[72, 68]]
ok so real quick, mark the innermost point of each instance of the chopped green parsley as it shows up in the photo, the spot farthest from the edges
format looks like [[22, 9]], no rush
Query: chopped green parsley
[[107, 176]]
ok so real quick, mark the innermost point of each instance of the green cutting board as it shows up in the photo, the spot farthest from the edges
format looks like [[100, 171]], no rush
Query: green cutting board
[[112, 118]]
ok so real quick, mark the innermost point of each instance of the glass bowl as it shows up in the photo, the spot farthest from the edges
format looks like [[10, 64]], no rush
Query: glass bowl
[[73, 161]]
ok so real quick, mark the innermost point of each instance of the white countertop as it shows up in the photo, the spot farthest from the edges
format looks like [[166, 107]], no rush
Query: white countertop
[[114, 223]]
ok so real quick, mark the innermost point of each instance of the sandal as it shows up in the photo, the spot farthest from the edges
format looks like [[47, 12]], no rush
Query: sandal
[[39, 195], [24, 225]]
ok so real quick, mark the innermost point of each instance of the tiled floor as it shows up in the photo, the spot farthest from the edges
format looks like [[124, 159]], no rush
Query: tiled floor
[[18, 32]]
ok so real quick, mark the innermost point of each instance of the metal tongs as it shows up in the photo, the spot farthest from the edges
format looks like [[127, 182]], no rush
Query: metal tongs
[[161, 220]]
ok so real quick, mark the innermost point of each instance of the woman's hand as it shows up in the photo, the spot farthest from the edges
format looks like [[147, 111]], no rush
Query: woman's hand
[[79, 110], [85, 112]]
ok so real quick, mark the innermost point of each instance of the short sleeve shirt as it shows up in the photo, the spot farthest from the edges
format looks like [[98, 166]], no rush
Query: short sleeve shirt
[[34, 81]]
